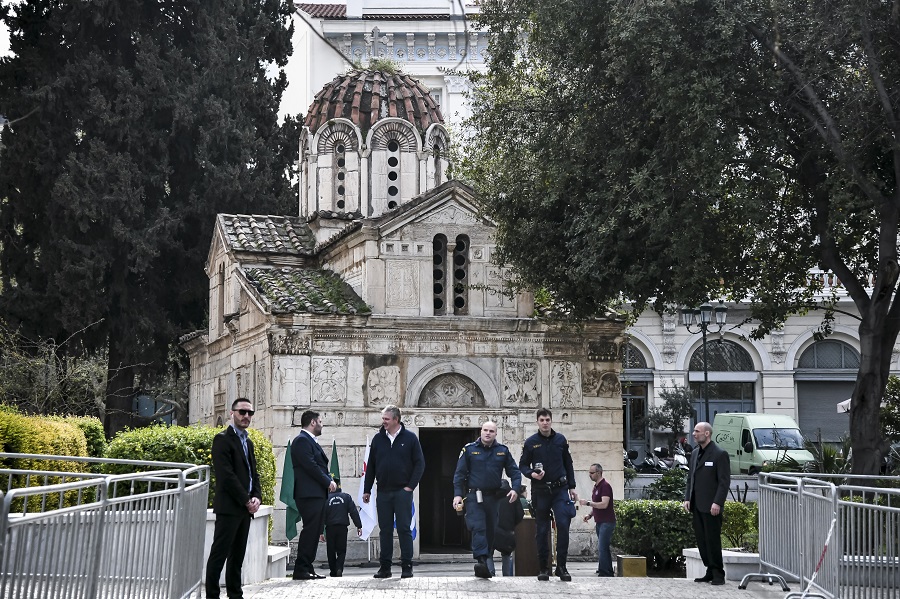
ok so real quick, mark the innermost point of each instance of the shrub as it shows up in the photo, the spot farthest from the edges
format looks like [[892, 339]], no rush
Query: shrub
[[658, 530], [670, 485], [93, 431], [740, 525], [190, 444], [34, 434]]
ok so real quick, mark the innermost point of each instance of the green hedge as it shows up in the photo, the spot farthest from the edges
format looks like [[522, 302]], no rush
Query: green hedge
[[191, 444], [20, 433], [656, 529], [660, 530]]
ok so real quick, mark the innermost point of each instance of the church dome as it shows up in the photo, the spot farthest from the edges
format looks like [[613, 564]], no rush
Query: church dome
[[366, 96]]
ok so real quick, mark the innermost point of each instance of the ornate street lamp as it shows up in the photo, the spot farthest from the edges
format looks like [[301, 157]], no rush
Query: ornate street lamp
[[702, 318]]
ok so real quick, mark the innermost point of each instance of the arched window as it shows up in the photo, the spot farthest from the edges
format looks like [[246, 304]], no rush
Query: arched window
[[461, 276], [732, 379], [829, 354], [439, 245], [632, 357]]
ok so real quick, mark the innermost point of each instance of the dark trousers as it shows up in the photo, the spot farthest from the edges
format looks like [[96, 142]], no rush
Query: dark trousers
[[228, 546], [336, 546], [481, 518], [543, 500], [708, 530], [312, 514], [390, 505]]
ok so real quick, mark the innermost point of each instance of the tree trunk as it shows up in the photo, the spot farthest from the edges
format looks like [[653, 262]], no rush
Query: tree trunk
[[876, 341], [119, 390]]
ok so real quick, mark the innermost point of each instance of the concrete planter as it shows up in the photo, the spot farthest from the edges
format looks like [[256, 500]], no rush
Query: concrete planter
[[737, 564], [261, 561]]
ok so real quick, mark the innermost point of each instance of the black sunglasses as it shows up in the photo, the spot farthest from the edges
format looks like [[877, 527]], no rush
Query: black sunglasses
[[245, 412]]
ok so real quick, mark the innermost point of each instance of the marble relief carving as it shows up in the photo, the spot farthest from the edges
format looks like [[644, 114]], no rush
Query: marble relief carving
[[451, 390], [520, 381], [384, 386], [668, 329], [329, 380], [289, 343], [402, 292], [565, 384], [450, 215], [778, 351], [599, 383]]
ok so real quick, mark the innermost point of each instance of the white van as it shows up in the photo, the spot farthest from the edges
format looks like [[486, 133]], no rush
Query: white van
[[756, 440]]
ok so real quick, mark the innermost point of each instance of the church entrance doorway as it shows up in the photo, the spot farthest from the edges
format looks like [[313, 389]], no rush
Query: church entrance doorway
[[442, 530]]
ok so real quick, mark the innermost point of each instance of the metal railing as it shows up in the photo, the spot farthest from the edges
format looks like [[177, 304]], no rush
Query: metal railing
[[838, 540], [101, 536]]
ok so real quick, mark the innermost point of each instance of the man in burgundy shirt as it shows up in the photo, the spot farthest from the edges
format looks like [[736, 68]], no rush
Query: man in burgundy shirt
[[604, 516]]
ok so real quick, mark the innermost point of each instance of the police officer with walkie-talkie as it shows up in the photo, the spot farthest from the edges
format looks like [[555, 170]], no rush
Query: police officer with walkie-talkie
[[547, 461], [478, 477]]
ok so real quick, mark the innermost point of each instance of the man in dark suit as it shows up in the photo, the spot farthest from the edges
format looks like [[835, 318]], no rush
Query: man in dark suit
[[704, 497], [312, 483], [237, 498]]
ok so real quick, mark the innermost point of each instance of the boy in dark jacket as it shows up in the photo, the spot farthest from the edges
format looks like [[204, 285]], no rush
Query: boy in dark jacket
[[337, 519]]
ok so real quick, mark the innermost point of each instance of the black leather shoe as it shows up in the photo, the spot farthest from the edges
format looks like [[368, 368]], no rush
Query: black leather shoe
[[382, 573], [717, 581], [407, 572], [308, 576], [563, 574], [481, 569], [544, 574], [337, 574], [705, 578]]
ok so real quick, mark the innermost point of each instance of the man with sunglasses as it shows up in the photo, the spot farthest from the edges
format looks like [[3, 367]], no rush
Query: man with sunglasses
[[237, 498]]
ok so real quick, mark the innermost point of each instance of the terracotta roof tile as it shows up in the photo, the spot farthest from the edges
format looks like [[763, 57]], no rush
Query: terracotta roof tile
[[324, 11], [366, 96], [268, 234], [305, 290]]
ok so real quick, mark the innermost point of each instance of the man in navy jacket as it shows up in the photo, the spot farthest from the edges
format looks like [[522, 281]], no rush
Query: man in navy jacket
[[397, 462], [312, 483], [237, 498], [704, 497]]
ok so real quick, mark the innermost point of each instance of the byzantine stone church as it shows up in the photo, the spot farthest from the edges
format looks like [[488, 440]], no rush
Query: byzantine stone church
[[384, 290]]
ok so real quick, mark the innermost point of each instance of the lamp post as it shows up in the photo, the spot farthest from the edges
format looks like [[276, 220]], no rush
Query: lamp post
[[702, 318]]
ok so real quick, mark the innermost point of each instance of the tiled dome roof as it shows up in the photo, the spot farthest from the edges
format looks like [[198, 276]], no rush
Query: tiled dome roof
[[366, 96]]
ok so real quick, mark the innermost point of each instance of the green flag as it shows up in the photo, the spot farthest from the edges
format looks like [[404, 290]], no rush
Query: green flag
[[291, 515], [335, 466]]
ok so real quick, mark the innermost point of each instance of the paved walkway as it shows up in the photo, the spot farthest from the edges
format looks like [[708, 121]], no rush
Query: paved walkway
[[455, 580]]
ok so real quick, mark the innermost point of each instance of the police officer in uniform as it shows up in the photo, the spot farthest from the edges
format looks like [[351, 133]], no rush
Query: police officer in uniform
[[478, 474], [547, 462]]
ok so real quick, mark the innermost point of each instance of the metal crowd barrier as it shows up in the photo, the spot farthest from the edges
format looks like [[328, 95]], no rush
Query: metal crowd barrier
[[95, 536], [837, 540]]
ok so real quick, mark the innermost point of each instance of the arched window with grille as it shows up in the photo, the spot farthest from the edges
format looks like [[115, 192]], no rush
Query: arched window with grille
[[636, 379], [825, 376], [732, 379]]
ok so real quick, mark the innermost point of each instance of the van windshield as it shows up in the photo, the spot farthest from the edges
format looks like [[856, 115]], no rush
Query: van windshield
[[778, 438]]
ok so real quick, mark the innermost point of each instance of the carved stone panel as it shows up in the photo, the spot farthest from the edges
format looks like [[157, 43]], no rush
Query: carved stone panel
[[520, 381], [290, 343], [603, 351], [450, 215], [329, 380], [290, 380], [384, 386], [598, 383], [402, 282], [451, 390], [668, 327], [565, 384]]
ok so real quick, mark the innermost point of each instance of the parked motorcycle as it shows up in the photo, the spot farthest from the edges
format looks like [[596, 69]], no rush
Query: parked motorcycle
[[652, 464], [627, 457]]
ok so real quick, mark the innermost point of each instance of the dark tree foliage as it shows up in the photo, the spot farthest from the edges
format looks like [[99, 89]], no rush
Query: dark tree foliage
[[670, 151], [133, 122]]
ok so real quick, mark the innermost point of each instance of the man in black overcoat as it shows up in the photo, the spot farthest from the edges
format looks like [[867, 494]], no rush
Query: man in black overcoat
[[704, 497]]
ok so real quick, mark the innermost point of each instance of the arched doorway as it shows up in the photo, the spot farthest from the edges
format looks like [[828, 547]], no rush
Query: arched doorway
[[442, 529], [636, 377]]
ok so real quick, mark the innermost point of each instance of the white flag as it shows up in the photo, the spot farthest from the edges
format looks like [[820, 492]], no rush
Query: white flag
[[367, 512]]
